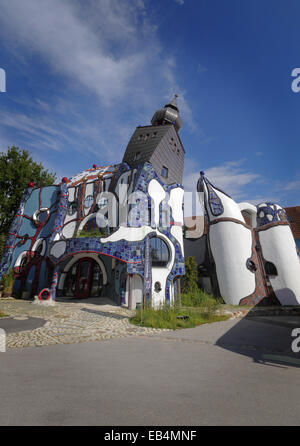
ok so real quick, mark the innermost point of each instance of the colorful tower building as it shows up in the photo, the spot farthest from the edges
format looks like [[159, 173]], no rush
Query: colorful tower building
[[113, 231]]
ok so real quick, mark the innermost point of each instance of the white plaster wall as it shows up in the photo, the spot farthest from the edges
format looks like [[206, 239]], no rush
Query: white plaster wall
[[157, 193], [231, 247], [252, 211], [58, 249], [69, 229], [137, 290], [71, 192], [127, 233], [175, 203], [159, 275], [278, 246], [70, 217]]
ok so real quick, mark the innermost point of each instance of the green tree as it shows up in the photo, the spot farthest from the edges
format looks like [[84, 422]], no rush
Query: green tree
[[17, 169], [190, 279]]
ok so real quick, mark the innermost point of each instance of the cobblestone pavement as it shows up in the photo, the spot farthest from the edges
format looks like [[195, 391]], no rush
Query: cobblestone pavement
[[68, 323]]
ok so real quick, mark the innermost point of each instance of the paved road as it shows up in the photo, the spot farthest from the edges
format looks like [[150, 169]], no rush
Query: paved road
[[16, 325], [235, 372]]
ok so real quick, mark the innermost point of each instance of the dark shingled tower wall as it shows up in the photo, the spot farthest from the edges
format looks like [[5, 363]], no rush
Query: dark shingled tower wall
[[159, 144]]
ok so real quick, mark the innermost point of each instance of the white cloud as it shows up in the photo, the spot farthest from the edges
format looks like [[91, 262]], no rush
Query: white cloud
[[106, 50], [232, 177], [179, 2], [101, 45], [291, 185]]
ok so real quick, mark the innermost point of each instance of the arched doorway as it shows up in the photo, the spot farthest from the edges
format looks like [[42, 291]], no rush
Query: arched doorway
[[84, 279]]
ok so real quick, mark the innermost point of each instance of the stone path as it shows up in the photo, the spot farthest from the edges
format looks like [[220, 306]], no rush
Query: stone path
[[68, 323]]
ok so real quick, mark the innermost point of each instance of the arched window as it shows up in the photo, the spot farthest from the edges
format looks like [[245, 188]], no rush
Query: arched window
[[159, 252], [84, 279], [23, 263], [39, 249], [72, 208], [271, 269]]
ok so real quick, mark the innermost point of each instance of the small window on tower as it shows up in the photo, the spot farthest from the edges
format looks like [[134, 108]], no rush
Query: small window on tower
[[164, 172], [137, 156]]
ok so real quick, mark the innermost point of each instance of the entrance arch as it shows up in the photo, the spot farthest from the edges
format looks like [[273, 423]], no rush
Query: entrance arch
[[84, 276]]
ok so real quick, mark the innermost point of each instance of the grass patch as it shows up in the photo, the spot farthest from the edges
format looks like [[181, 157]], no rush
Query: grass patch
[[175, 318], [2, 314], [197, 308], [200, 299]]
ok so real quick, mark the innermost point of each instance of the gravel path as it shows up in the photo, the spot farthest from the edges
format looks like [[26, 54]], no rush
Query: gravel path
[[69, 323]]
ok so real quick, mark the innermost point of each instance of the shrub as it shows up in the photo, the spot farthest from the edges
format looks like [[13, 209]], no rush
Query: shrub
[[96, 232], [198, 298], [7, 282], [190, 279]]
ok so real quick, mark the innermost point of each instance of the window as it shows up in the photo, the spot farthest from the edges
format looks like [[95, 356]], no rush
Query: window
[[23, 263], [251, 265], [72, 208], [164, 172], [271, 269], [159, 252], [41, 216], [39, 249], [137, 156], [88, 201]]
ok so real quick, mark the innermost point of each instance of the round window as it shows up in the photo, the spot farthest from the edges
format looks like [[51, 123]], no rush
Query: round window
[[157, 287], [41, 216], [251, 265]]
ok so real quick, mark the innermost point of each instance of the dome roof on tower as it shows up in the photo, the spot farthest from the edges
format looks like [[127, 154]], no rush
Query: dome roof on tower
[[168, 115]]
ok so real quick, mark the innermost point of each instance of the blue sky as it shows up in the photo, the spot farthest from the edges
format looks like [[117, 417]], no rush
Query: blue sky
[[81, 75]]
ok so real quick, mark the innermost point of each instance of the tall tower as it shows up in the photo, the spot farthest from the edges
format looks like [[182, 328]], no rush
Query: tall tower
[[159, 144]]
